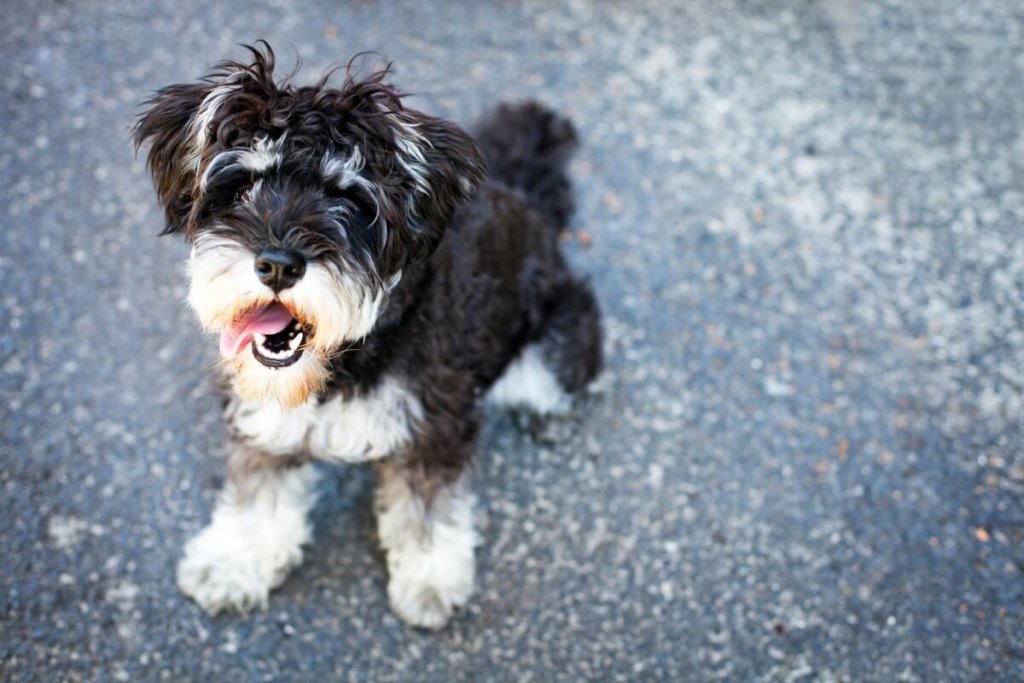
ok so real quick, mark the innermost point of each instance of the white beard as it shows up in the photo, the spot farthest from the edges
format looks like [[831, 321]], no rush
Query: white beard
[[339, 309]]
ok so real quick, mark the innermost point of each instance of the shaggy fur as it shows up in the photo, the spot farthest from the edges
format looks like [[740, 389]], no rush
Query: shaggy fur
[[390, 285]]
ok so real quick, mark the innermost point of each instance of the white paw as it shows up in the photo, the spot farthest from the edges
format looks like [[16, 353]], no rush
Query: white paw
[[429, 550], [425, 589], [230, 569], [529, 383]]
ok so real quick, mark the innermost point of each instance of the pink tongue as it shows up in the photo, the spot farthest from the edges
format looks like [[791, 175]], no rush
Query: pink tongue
[[266, 320]]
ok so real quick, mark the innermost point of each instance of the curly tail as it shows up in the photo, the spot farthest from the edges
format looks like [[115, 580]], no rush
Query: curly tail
[[527, 147]]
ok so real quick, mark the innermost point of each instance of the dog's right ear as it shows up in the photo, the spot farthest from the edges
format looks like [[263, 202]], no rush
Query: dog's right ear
[[169, 127]]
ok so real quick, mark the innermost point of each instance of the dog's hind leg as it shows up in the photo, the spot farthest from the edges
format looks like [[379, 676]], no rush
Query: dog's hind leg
[[561, 361], [571, 338]]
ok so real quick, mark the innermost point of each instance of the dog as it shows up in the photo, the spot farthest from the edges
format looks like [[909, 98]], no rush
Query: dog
[[370, 285]]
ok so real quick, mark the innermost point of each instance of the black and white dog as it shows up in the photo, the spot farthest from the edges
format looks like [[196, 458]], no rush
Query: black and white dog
[[369, 286]]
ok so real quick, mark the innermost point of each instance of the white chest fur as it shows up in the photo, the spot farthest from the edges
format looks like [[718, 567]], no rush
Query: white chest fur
[[365, 427]]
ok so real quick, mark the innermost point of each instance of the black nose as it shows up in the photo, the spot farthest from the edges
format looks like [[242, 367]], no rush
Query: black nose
[[280, 268]]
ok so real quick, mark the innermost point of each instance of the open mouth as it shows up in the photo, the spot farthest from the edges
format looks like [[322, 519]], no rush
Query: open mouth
[[281, 349], [274, 336]]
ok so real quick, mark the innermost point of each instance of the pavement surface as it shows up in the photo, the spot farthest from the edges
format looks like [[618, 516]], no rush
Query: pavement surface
[[803, 220]]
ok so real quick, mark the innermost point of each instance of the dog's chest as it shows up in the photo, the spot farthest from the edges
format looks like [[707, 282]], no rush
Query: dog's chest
[[364, 427]]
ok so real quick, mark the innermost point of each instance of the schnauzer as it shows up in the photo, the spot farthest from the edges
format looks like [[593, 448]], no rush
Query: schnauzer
[[369, 287]]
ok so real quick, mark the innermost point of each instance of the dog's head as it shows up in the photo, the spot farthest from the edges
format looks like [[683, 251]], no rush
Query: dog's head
[[302, 206]]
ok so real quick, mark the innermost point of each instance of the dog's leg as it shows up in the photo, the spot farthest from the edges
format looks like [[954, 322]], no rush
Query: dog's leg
[[259, 526], [426, 530], [563, 361], [571, 340]]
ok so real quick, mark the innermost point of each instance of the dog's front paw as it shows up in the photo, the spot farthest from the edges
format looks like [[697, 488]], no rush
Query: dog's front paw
[[426, 589], [224, 570]]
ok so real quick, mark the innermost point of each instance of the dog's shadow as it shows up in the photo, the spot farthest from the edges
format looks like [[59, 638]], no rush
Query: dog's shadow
[[346, 565], [344, 555]]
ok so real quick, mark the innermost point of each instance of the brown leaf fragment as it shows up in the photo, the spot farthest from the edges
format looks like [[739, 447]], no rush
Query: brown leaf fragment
[[612, 202], [843, 449]]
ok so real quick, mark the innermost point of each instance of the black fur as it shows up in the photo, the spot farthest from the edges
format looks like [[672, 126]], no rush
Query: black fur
[[482, 275], [315, 120]]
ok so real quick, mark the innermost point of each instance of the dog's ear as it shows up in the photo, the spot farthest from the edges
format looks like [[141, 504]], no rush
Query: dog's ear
[[168, 128], [183, 122], [444, 168]]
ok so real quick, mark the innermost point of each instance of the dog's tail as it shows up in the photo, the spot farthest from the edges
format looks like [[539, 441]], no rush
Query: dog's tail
[[527, 147]]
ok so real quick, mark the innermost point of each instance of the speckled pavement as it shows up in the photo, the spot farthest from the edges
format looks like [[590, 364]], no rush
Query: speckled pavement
[[803, 220]]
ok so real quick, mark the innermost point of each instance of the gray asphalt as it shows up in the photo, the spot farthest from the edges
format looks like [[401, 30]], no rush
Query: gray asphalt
[[803, 220]]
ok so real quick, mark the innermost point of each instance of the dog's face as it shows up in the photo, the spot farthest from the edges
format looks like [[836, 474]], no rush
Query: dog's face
[[302, 206]]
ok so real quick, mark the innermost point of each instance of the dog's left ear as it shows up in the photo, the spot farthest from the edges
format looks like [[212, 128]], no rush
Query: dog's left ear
[[444, 167]]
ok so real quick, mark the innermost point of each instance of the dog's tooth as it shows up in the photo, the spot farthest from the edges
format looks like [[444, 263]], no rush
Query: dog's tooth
[[294, 342], [260, 338]]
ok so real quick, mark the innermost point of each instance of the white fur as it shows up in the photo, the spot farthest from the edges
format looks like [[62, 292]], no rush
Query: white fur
[[429, 552], [254, 540], [347, 172], [341, 308], [289, 386], [409, 153], [222, 276], [263, 155], [365, 428], [359, 429], [271, 428], [223, 283], [200, 124], [529, 383]]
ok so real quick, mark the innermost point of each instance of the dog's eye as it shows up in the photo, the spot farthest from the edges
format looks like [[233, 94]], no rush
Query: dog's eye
[[223, 191], [355, 201], [335, 192], [230, 185]]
